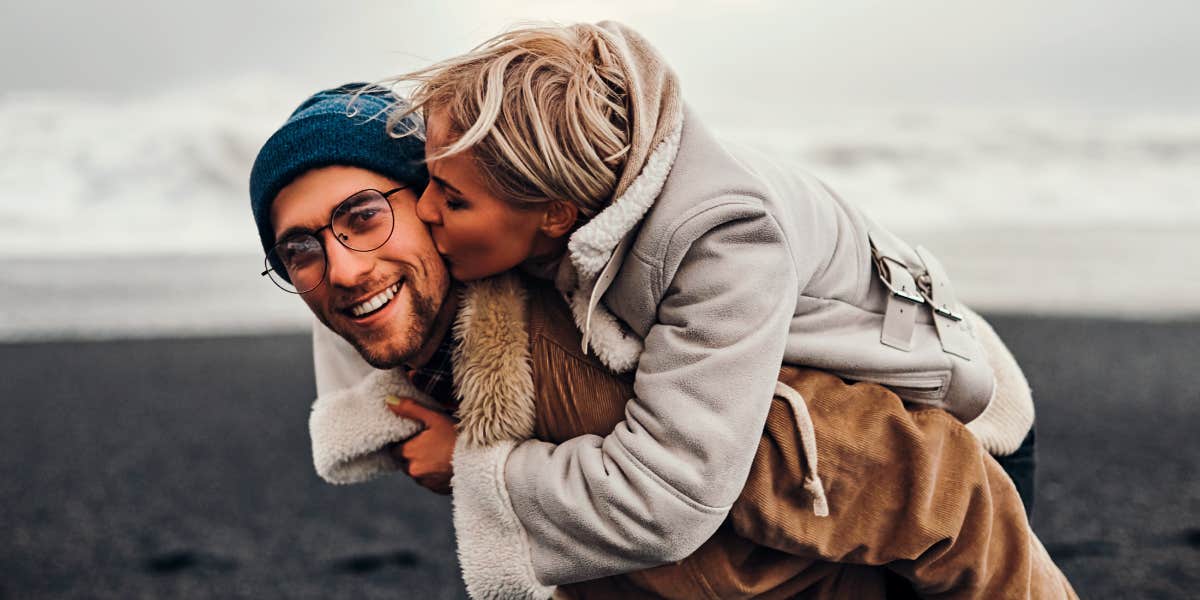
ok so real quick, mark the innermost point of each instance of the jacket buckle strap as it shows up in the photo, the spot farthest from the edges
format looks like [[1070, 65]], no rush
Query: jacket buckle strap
[[953, 332], [900, 317]]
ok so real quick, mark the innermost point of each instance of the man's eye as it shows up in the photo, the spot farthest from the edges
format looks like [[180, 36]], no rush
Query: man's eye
[[300, 253], [363, 215], [300, 260]]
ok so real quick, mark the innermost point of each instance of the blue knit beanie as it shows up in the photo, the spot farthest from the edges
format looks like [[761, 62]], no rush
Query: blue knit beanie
[[346, 125]]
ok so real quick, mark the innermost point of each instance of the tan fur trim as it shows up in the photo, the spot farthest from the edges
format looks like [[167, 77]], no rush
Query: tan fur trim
[[492, 372]]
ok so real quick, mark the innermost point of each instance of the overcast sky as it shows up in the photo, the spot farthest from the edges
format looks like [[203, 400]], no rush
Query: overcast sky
[[752, 56]]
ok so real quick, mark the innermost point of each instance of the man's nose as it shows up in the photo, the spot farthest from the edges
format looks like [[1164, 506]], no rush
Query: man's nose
[[427, 208], [347, 268]]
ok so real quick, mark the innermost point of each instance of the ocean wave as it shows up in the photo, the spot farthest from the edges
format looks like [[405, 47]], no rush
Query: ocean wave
[[167, 173], [161, 174], [1004, 169]]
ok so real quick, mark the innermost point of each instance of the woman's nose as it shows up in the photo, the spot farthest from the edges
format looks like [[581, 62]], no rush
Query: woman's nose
[[427, 208]]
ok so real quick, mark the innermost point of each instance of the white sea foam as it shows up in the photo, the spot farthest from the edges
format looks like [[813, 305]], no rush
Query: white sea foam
[[161, 174], [166, 175], [962, 169]]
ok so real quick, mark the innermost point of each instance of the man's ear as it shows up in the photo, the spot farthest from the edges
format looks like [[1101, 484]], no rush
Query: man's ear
[[559, 218]]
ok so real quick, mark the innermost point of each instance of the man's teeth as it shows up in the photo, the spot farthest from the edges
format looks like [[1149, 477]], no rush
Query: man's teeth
[[375, 303]]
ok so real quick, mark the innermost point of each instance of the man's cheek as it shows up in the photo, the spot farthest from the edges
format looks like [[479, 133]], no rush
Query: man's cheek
[[317, 307], [328, 317]]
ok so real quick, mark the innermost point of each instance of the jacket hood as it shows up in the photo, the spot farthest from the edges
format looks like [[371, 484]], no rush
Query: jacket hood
[[657, 110], [654, 99]]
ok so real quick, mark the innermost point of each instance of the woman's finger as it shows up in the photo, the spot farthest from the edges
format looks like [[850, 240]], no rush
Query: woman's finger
[[412, 409], [409, 409], [397, 453]]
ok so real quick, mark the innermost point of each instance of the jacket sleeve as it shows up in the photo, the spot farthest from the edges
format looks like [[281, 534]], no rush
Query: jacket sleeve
[[660, 484]]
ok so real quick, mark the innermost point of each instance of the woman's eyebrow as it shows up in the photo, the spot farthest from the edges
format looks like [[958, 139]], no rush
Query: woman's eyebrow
[[446, 184]]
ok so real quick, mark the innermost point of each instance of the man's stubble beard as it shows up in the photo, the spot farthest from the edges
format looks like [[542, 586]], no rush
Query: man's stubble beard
[[379, 349], [419, 329]]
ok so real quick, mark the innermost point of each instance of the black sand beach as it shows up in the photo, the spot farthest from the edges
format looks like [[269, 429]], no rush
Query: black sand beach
[[181, 468]]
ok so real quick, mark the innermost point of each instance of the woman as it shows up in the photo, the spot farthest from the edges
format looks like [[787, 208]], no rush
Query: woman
[[569, 152]]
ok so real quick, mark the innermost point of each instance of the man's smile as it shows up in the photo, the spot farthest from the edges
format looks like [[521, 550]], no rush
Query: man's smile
[[372, 305]]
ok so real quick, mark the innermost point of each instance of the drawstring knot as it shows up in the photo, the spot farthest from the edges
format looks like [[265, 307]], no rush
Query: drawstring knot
[[808, 444]]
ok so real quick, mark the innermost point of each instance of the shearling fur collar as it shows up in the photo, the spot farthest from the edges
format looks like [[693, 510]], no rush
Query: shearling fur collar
[[656, 117], [593, 246], [492, 372]]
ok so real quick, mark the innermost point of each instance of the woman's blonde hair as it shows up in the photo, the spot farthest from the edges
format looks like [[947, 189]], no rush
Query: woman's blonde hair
[[543, 109]]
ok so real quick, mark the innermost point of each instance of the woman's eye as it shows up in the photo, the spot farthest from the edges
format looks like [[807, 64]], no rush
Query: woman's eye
[[455, 203]]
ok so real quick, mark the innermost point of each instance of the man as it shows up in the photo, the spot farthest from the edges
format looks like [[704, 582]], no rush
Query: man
[[334, 200]]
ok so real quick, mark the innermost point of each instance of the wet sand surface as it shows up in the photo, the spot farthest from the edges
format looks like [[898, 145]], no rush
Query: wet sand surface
[[181, 468]]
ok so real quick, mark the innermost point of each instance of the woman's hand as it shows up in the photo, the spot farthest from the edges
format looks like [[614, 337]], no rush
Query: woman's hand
[[426, 457]]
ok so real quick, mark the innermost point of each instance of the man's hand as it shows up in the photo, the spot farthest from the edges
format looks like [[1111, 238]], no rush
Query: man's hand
[[426, 457]]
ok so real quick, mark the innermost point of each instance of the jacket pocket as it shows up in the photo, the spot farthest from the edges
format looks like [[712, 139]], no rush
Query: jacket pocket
[[925, 387]]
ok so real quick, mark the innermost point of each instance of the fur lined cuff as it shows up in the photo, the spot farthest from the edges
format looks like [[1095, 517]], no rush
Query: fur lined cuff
[[1009, 416], [492, 547], [352, 428]]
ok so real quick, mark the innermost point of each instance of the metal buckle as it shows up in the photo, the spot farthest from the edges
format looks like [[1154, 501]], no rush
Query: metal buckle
[[925, 285], [946, 312], [885, 275]]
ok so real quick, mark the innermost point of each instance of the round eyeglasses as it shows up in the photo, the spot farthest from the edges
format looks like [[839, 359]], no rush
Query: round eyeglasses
[[363, 222]]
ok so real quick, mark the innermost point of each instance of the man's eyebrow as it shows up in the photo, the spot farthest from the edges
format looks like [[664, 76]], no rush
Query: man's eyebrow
[[290, 231], [446, 184]]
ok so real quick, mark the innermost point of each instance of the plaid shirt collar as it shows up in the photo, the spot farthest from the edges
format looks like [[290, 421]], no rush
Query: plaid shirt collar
[[436, 377]]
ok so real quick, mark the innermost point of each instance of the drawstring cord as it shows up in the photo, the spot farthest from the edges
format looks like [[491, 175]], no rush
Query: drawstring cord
[[808, 442]]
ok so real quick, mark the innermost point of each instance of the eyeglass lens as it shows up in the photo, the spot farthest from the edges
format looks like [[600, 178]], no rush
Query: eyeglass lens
[[362, 222]]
